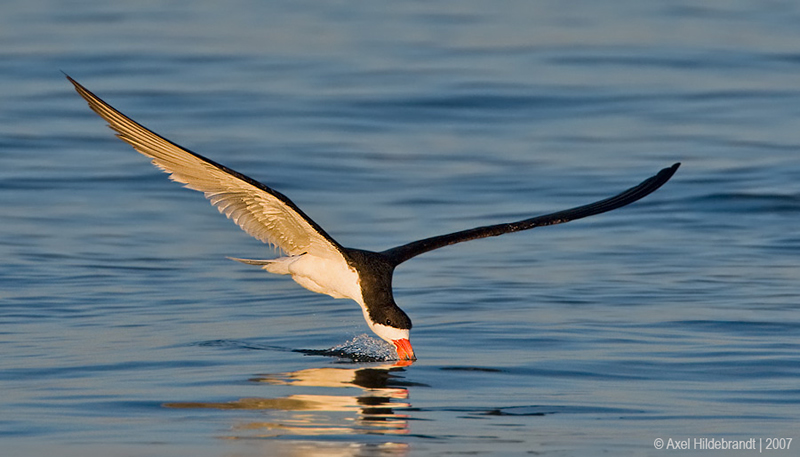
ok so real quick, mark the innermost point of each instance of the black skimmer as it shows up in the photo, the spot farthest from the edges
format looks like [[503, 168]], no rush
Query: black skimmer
[[313, 258]]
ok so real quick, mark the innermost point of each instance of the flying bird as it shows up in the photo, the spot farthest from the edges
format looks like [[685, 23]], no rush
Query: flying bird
[[312, 257]]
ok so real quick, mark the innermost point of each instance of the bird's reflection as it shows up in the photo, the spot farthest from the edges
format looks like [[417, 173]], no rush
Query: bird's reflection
[[377, 408]]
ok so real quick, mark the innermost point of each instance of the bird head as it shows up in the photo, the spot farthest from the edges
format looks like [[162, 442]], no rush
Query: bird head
[[394, 326]]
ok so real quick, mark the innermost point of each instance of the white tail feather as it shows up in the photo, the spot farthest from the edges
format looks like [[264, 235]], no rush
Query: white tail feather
[[254, 261]]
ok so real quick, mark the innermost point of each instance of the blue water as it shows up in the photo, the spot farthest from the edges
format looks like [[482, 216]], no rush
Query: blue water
[[125, 330]]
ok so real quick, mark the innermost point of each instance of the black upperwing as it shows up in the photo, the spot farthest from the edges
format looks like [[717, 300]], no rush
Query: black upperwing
[[402, 253]]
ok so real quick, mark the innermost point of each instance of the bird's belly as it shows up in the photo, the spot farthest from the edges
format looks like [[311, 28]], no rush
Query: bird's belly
[[326, 276]]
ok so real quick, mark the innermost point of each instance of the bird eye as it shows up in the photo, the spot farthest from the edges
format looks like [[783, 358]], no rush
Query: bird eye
[[388, 322]]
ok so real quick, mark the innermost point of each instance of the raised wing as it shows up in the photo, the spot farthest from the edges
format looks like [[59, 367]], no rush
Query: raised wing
[[260, 211], [402, 253]]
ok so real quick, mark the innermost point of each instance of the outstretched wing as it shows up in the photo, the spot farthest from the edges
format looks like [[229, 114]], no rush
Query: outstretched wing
[[260, 211], [402, 253]]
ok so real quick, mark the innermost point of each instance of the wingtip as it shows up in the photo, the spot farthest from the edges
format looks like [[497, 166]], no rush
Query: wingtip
[[666, 174], [69, 78], [82, 91]]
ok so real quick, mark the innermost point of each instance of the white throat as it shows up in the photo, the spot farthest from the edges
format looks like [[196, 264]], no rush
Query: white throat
[[385, 332]]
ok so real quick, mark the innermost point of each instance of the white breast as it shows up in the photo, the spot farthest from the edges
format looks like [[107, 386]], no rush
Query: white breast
[[332, 277]]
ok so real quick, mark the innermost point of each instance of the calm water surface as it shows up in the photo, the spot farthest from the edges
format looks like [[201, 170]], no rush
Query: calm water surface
[[124, 330]]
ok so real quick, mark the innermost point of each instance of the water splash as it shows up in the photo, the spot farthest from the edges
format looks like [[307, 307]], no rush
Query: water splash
[[362, 348]]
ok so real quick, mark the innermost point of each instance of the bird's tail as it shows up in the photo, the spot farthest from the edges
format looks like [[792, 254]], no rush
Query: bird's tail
[[254, 261], [279, 266]]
